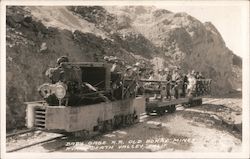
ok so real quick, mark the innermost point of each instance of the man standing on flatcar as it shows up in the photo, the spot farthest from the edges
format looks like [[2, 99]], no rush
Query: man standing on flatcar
[[162, 85], [168, 79], [176, 83], [191, 87], [184, 84], [138, 74]]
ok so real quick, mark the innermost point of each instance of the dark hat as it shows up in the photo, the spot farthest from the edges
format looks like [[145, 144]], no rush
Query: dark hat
[[128, 67], [62, 59]]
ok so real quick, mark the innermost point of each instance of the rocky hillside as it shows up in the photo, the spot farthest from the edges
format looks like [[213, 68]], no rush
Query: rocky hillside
[[187, 42], [37, 36]]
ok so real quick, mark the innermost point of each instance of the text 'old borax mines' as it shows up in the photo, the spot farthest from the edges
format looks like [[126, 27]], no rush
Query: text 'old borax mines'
[[128, 144]]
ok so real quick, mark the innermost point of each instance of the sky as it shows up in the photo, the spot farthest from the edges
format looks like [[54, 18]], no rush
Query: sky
[[226, 18]]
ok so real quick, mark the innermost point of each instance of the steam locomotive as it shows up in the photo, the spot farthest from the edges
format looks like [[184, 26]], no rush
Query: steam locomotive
[[85, 98]]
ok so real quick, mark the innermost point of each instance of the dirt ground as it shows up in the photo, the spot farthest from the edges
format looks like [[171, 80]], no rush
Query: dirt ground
[[214, 126]]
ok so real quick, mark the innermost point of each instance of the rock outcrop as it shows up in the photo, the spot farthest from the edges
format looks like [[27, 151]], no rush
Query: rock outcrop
[[185, 41]]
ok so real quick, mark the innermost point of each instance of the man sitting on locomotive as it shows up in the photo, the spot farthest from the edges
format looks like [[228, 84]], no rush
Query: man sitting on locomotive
[[130, 82], [115, 67], [138, 74], [116, 78], [56, 74]]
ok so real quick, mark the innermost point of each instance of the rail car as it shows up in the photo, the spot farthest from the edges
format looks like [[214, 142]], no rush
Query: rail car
[[85, 98], [81, 100], [161, 105]]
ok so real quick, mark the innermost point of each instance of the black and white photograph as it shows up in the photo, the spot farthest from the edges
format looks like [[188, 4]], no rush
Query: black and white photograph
[[156, 79]]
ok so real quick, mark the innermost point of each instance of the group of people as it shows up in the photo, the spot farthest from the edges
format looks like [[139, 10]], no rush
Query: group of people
[[173, 83], [117, 65], [119, 71]]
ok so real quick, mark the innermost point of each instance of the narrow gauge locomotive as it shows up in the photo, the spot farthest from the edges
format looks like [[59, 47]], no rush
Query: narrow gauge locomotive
[[84, 98]]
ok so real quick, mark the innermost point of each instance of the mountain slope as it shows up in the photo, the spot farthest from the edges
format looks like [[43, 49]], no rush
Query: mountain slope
[[187, 42]]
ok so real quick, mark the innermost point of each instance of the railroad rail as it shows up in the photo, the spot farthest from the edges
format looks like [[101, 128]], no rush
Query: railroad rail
[[36, 143], [20, 132]]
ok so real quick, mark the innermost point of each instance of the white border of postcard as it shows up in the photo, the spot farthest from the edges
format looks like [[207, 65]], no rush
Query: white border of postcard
[[245, 54]]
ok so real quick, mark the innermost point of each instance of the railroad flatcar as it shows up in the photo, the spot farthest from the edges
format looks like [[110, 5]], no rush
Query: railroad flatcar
[[160, 105]]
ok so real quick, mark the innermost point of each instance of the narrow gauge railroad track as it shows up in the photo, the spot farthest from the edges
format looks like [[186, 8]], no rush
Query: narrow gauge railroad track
[[146, 118], [37, 143], [210, 101], [57, 138], [20, 132]]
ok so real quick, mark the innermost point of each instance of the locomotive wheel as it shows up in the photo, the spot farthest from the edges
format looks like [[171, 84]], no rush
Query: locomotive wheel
[[107, 126], [186, 105], [160, 111], [130, 119], [200, 102], [82, 134], [171, 109], [135, 118], [196, 102], [117, 121], [126, 120], [148, 113], [123, 120], [192, 103]]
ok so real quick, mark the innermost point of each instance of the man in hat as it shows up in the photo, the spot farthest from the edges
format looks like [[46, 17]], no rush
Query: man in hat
[[62, 59], [200, 76], [191, 83], [106, 58], [115, 67], [168, 76], [176, 83], [162, 75], [128, 72], [56, 74], [136, 68], [130, 82], [151, 85]]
